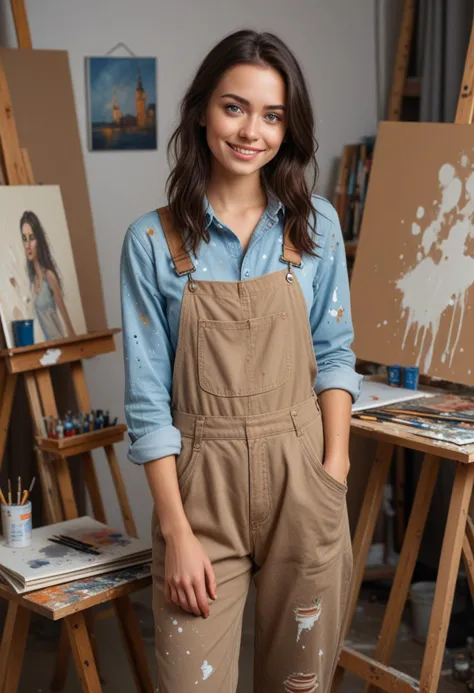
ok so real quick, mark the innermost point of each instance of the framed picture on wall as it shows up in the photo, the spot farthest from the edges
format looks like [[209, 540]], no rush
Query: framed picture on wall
[[122, 103]]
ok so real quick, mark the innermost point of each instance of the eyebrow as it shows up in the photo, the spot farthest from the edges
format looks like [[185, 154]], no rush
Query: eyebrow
[[243, 101]]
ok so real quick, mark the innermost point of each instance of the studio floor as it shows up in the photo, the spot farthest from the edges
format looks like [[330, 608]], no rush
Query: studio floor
[[40, 655]]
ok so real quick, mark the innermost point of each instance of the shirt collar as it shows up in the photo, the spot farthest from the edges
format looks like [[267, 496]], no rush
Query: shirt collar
[[274, 207]]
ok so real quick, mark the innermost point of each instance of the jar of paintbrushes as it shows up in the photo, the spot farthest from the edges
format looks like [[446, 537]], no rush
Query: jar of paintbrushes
[[16, 516]]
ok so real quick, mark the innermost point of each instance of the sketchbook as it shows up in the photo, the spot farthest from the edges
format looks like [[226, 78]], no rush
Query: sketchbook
[[375, 394], [44, 563]]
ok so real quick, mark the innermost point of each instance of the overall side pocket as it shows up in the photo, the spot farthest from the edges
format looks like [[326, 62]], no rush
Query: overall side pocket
[[312, 442]]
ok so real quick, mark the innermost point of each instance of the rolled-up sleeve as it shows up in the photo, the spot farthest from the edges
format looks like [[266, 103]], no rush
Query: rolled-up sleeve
[[148, 356], [330, 315]]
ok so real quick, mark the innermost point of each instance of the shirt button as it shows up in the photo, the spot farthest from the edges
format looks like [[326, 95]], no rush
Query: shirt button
[[247, 273]]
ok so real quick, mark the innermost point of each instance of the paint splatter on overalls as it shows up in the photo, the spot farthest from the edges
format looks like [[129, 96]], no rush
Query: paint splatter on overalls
[[254, 489]]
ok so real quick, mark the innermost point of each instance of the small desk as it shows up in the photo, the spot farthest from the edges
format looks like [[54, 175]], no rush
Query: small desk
[[73, 601], [458, 539]]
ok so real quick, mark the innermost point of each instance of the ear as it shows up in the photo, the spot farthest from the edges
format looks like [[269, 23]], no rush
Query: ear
[[202, 121]]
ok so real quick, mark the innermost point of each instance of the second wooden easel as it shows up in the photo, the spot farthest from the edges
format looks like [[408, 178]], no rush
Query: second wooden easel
[[458, 536]]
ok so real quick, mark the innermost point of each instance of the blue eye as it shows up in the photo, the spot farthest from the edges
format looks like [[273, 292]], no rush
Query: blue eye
[[274, 117], [232, 106]]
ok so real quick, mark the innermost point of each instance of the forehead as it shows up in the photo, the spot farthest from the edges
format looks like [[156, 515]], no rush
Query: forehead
[[256, 83]]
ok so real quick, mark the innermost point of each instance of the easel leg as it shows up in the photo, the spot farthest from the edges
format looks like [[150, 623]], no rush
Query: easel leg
[[468, 553], [83, 655], [7, 392], [89, 615], [62, 661], [447, 576], [134, 645], [406, 565], [399, 496], [53, 510], [93, 487], [63, 476], [121, 492], [364, 533], [13, 646]]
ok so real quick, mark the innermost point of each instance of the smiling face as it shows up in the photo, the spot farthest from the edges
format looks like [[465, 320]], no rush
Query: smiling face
[[245, 119], [30, 244]]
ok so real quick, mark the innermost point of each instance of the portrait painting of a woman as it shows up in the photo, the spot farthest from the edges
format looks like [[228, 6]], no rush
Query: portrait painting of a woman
[[45, 282]]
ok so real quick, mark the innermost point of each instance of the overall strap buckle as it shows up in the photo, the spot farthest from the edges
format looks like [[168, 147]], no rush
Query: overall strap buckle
[[290, 255]]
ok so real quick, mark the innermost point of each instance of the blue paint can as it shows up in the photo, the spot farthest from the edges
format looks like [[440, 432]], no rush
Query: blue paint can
[[410, 377], [394, 376], [23, 332]]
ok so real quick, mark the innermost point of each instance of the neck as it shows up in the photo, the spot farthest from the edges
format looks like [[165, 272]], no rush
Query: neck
[[37, 267], [228, 193]]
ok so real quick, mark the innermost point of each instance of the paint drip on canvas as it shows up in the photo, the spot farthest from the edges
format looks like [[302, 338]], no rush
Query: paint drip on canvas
[[443, 268]]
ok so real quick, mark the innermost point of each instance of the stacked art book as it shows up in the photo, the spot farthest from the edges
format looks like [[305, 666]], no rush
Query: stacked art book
[[45, 563]]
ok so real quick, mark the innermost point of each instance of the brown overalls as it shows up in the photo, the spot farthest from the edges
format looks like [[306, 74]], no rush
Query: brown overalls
[[254, 489]]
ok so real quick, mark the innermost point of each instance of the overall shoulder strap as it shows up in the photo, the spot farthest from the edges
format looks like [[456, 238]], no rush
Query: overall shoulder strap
[[289, 252], [180, 256]]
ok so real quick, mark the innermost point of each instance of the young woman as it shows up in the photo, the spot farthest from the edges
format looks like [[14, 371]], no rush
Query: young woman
[[231, 295], [44, 278]]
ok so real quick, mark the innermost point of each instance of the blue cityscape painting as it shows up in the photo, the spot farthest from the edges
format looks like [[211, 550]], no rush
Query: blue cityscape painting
[[122, 103]]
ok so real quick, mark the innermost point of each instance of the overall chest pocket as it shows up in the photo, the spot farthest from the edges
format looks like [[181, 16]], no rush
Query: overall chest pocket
[[244, 357]]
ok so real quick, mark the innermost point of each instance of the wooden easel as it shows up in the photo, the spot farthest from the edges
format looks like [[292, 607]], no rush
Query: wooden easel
[[36, 363], [458, 536]]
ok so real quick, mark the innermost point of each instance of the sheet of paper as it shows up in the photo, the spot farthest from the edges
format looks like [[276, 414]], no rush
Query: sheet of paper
[[374, 394]]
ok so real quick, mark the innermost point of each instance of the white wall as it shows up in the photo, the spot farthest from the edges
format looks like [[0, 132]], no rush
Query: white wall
[[335, 42]]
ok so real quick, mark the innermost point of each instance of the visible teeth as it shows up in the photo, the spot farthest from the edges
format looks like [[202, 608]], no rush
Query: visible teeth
[[243, 151]]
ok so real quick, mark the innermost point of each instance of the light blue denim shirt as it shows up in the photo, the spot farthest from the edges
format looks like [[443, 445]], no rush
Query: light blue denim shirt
[[151, 305]]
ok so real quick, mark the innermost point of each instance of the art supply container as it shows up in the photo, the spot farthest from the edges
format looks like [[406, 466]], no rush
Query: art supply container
[[394, 376], [16, 524], [410, 377], [23, 332], [421, 597]]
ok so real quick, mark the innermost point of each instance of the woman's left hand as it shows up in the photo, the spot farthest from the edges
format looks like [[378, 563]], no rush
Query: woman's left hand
[[337, 468]]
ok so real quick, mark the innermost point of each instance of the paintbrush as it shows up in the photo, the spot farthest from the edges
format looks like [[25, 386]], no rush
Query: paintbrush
[[381, 418], [76, 541], [26, 492], [9, 492], [72, 545]]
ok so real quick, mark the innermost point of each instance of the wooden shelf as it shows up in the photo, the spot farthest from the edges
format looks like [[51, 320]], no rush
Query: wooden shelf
[[56, 351], [82, 442]]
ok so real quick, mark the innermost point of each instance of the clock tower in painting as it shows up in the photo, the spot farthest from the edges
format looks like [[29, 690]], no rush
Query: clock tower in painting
[[140, 95]]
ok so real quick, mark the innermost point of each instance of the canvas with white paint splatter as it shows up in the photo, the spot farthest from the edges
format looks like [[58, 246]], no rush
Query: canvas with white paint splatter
[[413, 281]]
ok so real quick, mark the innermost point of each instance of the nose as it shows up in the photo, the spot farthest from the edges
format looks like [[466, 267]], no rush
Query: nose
[[249, 130]]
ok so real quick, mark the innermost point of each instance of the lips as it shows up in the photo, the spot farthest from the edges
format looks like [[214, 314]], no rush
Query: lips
[[301, 683], [250, 150]]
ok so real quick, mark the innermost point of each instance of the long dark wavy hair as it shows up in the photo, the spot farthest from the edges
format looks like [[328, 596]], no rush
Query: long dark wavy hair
[[45, 258], [285, 175]]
